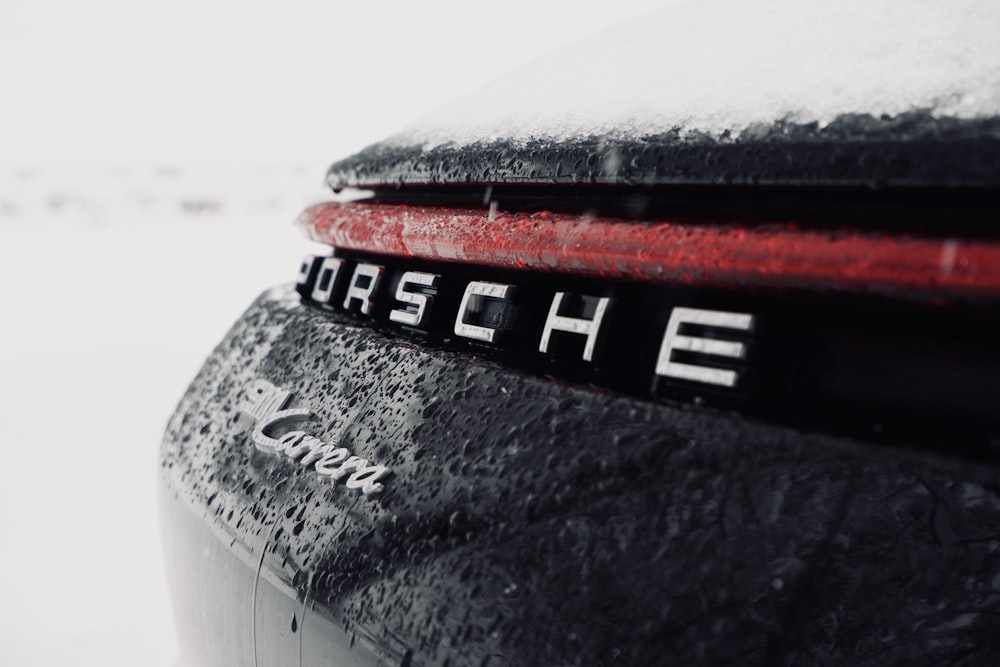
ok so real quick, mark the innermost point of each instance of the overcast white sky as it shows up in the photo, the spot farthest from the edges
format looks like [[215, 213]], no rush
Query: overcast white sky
[[305, 81], [102, 83]]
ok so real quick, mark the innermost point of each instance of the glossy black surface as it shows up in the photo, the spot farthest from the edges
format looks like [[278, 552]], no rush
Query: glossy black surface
[[915, 149], [882, 368], [530, 521]]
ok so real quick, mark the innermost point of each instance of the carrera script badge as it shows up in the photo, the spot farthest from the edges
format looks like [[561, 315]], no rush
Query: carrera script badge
[[266, 405]]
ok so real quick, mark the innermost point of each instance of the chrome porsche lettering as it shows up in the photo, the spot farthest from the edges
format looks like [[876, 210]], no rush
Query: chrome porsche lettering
[[673, 340], [611, 332], [589, 327], [326, 279], [363, 283], [265, 404], [306, 271], [422, 302], [473, 300]]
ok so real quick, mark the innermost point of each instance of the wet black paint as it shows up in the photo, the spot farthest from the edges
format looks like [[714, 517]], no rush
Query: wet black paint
[[914, 149], [533, 522]]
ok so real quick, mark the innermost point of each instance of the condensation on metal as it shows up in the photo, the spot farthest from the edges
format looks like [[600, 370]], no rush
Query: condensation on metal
[[912, 149], [548, 523], [266, 405]]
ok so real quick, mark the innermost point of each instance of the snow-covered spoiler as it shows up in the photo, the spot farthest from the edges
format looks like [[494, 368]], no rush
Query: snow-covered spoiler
[[723, 254], [895, 93]]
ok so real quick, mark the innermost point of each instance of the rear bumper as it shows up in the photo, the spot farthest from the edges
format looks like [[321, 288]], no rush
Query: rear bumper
[[529, 521]]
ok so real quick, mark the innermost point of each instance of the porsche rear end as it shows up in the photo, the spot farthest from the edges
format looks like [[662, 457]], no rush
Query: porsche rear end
[[613, 399]]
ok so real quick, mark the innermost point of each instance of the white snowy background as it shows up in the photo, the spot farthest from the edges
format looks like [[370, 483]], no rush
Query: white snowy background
[[152, 158]]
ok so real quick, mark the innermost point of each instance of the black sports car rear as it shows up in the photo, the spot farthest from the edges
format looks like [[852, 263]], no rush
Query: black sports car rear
[[632, 392]]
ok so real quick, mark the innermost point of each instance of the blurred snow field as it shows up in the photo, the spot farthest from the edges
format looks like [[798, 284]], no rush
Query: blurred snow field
[[117, 283], [139, 196]]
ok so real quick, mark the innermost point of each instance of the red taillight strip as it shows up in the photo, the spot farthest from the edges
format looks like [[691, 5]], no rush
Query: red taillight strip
[[720, 255]]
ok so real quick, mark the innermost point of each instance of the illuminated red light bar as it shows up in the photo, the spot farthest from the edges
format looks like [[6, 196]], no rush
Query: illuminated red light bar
[[718, 255]]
